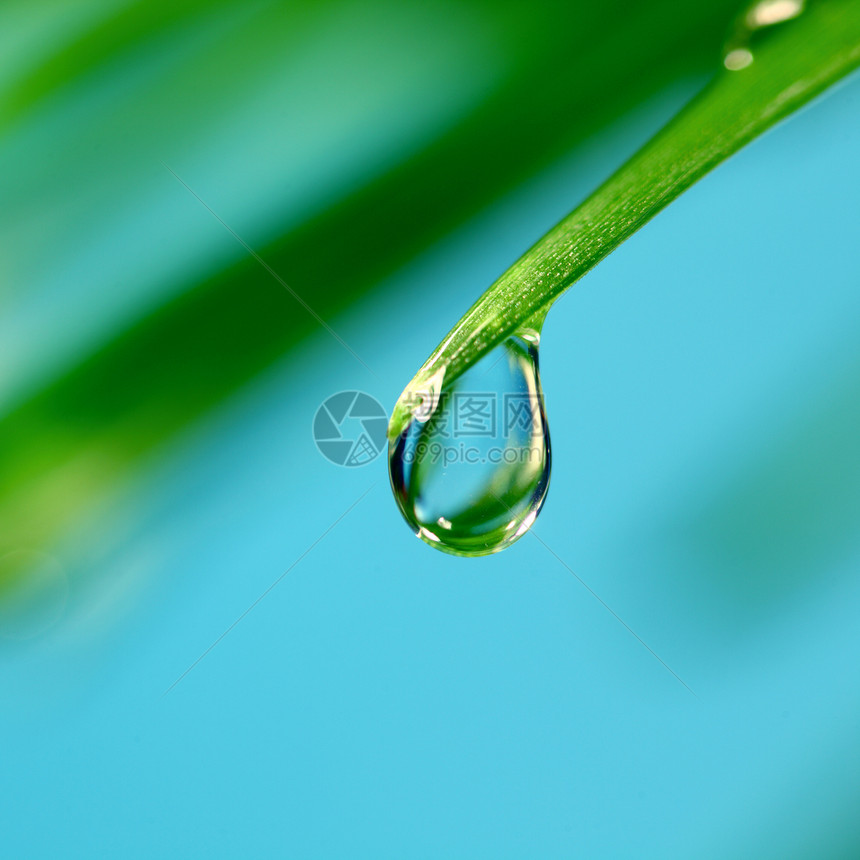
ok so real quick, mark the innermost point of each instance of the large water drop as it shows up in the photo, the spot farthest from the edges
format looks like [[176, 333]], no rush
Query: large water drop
[[470, 469]]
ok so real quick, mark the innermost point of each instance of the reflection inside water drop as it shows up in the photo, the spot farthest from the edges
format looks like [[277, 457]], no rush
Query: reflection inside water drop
[[470, 470]]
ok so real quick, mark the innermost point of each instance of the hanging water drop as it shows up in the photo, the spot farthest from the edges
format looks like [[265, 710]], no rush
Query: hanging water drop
[[470, 464]]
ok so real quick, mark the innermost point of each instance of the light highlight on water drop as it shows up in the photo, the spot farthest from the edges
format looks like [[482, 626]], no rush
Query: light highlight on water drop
[[737, 59], [470, 468], [769, 12], [757, 20]]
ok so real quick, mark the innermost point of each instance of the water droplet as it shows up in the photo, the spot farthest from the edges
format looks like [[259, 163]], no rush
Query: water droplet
[[470, 468], [752, 24]]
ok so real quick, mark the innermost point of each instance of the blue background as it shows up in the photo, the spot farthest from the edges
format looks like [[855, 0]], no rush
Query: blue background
[[386, 700]]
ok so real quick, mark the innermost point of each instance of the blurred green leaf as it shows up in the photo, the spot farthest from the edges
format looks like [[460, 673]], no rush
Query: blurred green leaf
[[172, 334]]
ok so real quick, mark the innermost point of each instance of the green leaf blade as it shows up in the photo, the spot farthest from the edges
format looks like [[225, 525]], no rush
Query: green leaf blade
[[791, 66]]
